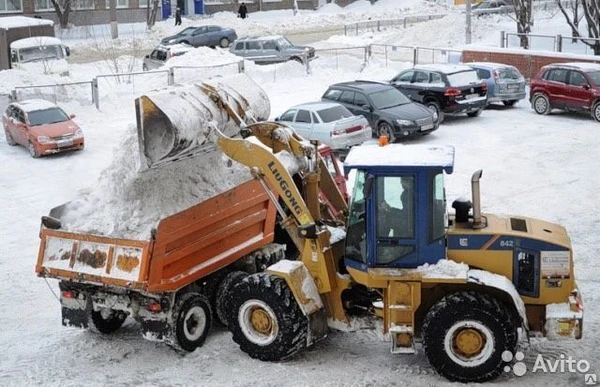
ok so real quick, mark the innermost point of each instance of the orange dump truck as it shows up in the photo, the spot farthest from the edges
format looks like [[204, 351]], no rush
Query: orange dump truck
[[173, 284]]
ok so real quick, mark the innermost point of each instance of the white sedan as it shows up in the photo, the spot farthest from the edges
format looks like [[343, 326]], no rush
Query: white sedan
[[328, 122]]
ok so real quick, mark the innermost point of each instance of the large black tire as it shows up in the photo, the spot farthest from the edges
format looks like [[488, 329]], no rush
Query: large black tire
[[109, 323], [193, 318], [465, 334], [435, 106], [9, 139], [224, 295], [541, 104], [266, 321], [386, 129], [596, 111]]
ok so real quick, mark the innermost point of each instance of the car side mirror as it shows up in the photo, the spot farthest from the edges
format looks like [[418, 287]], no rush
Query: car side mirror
[[277, 118], [148, 56], [71, 116], [277, 48], [585, 86], [14, 58], [67, 51], [367, 107]]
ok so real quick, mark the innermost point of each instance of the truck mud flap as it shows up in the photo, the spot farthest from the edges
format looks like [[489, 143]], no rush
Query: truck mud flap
[[156, 326], [76, 308]]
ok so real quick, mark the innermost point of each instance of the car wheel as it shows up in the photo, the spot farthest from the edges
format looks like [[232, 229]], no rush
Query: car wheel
[[32, 151], [224, 42], [9, 140], [185, 42], [385, 129], [476, 113], [144, 68], [296, 59], [596, 111], [511, 102], [434, 106], [541, 104]]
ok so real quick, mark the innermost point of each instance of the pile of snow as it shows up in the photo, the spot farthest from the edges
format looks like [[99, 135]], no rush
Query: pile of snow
[[128, 204], [203, 56], [445, 268]]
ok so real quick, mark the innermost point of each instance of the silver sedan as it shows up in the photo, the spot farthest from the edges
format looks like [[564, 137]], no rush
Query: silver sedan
[[328, 122]]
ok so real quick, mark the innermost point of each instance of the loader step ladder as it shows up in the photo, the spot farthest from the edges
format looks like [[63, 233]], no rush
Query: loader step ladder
[[401, 300]]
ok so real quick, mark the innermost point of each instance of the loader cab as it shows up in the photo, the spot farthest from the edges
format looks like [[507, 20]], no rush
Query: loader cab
[[397, 213]]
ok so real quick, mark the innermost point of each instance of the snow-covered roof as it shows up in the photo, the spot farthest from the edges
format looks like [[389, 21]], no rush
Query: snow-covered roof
[[446, 68], [35, 41], [581, 65], [30, 105], [317, 105], [266, 37], [400, 155], [23, 21]]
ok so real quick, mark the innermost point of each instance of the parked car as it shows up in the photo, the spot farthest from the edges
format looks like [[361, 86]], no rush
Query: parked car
[[389, 112], [328, 122], [504, 82], [487, 7], [211, 36], [161, 54], [271, 49], [444, 88], [567, 86], [42, 127]]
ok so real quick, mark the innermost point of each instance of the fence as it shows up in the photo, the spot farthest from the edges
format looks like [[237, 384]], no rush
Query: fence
[[557, 43], [79, 91], [414, 54], [378, 25]]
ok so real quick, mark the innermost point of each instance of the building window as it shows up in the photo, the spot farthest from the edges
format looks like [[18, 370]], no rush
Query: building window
[[42, 5], [46, 5], [120, 3], [83, 4], [144, 3], [7, 6]]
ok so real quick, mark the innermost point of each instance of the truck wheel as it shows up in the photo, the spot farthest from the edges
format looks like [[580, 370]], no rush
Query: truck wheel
[[265, 318], [224, 294], [107, 320], [465, 334], [192, 322], [385, 129]]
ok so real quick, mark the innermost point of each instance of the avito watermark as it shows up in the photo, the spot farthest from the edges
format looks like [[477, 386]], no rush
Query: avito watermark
[[564, 364]]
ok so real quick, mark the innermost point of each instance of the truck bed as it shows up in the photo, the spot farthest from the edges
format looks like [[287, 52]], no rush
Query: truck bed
[[186, 246]]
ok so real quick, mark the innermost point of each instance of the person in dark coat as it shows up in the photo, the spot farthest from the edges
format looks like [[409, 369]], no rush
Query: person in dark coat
[[178, 17], [243, 11]]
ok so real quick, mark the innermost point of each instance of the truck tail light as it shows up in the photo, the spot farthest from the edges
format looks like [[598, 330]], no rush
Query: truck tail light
[[154, 306], [69, 294], [452, 92]]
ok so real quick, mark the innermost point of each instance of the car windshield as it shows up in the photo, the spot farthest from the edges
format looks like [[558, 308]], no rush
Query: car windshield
[[595, 77], [388, 98], [187, 31], [463, 78], [47, 116], [508, 73], [283, 43], [334, 113], [32, 54]]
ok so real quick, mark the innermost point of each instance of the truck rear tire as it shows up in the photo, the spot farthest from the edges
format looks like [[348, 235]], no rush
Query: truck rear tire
[[265, 319], [107, 321], [224, 295], [465, 334], [192, 322]]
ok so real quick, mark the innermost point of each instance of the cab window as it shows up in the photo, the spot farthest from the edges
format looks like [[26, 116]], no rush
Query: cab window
[[356, 243]]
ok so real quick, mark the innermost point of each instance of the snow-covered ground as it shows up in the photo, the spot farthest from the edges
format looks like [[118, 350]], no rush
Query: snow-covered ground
[[540, 166]]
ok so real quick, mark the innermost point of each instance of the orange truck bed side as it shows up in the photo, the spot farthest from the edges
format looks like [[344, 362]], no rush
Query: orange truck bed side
[[188, 245]]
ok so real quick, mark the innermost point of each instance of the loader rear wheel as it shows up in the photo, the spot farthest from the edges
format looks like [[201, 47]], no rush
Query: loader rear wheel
[[465, 334], [107, 320], [224, 294], [266, 321], [192, 323]]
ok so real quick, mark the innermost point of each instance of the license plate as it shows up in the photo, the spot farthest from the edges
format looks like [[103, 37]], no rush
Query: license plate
[[426, 127], [471, 96], [513, 87], [64, 143]]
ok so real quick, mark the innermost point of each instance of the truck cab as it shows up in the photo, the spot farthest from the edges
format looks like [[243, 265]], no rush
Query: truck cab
[[397, 216], [42, 54]]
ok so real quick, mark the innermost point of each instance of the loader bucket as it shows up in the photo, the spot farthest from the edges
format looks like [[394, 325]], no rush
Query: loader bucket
[[175, 123]]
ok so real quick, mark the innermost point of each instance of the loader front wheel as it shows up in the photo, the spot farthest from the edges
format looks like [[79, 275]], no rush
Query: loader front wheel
[[465, 335], [193, 319], [265, 319], [107, 320], [224, 294]]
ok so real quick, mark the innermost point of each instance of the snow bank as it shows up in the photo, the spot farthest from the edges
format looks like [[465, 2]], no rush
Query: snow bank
[[128, 204], [203, 56]]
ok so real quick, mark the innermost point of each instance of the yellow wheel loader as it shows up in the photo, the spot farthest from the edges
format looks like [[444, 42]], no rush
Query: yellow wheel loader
[[467, 286]]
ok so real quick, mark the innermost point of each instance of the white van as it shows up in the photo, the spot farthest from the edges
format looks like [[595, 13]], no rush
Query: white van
[[42, 54]]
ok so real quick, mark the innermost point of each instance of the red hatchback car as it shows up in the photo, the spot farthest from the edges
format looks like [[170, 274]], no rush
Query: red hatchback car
[[42, 127], [567, 86]]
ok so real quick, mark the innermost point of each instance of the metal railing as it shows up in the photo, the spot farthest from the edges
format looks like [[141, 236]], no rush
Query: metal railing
[[414, 54], [59, 92], [557, 43], [383, 24], [362, 53]]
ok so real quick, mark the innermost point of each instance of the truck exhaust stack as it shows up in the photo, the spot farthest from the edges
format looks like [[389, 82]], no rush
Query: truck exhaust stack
[[477, 222], [175, 123]]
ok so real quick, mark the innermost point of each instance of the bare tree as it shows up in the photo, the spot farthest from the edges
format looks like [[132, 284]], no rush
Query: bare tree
[[62, 9], [524, 18], [591, 12]]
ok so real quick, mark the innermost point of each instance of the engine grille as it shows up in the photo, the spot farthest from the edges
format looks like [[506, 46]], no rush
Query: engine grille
[[425, 121], [63, 137]]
